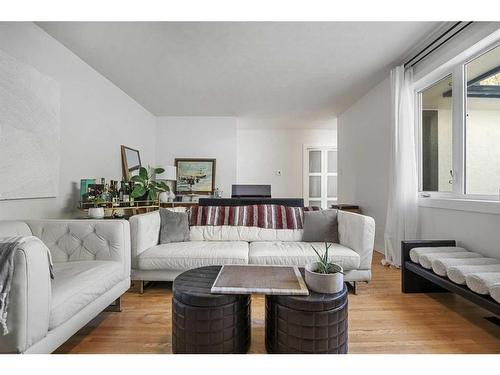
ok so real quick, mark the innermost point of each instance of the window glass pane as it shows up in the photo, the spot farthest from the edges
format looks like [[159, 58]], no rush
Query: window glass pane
[[482, 126], [437, 136], [331, 186], [330, 203], [315, 186], [315, 161], [315, 203], [332, 161]]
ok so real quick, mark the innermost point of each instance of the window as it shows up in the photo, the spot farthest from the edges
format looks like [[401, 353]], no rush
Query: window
[[482, 127], [320, 176], [436, 104], [459, 127]]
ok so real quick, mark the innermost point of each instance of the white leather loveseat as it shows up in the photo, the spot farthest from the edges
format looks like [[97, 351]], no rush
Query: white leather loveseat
[[218, 245], [91, 270]]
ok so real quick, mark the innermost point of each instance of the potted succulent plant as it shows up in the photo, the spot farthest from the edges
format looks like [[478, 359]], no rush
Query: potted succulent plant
[[96, 212], [145, 185], [323, 276]]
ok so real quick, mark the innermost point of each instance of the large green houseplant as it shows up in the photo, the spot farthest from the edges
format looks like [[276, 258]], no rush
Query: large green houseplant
[[145, 185]]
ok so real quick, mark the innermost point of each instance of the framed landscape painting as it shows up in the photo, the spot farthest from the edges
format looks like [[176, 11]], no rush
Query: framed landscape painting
[[195, 176]]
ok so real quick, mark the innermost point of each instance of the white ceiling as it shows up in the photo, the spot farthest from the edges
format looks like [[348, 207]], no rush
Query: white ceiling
[[294, 72]]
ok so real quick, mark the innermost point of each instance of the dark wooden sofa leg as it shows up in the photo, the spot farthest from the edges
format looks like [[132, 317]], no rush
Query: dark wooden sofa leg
[[353, 287], [410, 281], [116, 306]]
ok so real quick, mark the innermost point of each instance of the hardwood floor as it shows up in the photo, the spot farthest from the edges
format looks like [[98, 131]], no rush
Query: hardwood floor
[[381, 320]]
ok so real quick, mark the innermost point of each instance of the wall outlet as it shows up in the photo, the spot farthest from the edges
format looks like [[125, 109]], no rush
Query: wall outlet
[[278, 172]]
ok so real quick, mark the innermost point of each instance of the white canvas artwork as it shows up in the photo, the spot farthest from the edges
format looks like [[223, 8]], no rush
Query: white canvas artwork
[[29, 131]]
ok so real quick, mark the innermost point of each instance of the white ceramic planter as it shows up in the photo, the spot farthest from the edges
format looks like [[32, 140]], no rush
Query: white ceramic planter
[[322, 282], [96, 212]]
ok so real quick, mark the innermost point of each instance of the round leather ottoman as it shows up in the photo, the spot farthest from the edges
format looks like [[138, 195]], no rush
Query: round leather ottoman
[[208, 323], [307, 324]]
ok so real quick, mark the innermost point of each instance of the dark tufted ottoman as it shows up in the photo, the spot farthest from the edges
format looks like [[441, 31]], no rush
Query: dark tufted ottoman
[[307, 324], [208, 323]]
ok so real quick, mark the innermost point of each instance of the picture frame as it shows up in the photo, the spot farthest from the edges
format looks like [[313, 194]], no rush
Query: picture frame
[[195, 176], [131, 161]]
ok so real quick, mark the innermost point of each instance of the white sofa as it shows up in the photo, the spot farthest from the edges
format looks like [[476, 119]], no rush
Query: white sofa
[[218, 245], [91, 271]]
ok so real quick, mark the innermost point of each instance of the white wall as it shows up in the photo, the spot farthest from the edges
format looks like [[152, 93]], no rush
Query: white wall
[[200, 137], [364, 146], [244, 155], [474, 230], [262, 152], [96, 118]]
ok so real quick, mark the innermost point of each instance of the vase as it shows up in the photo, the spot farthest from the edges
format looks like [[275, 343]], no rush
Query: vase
[[163, 197], [323, 282], [96, 212]]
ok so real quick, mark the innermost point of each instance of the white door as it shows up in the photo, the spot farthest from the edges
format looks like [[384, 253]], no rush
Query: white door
[[320, 176]]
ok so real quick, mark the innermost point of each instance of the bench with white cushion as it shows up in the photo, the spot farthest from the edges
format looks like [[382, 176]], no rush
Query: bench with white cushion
[[435, 266]]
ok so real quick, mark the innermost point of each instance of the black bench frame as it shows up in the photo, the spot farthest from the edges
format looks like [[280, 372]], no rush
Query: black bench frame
[[417, 279]]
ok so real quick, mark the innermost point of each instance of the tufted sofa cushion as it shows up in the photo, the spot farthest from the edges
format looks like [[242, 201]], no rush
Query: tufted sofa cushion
[[80, 239]]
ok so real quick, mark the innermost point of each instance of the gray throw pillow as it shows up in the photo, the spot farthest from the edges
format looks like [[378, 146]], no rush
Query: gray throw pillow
[[321, 226], [174, 226]]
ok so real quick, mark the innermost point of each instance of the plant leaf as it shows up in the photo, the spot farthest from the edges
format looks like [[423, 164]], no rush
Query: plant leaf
[[159, 170], [138, 191], [163, 185], [152, 194], [136, 178], [143, 173]]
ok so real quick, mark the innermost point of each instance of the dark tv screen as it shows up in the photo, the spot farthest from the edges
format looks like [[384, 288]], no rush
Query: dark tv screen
[[251, 191]]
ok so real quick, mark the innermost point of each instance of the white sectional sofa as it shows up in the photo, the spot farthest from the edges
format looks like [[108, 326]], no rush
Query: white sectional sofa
[[91, 271], [218, 245]]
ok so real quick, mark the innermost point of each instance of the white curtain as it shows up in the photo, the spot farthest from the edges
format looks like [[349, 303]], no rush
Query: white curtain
[[401, 220]]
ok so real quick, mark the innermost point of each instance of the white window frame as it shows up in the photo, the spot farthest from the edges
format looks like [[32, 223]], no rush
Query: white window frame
[[455, 67], [324, 174]]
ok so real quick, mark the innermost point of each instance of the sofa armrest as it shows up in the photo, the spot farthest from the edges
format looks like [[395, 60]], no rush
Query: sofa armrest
[[74, 240], [29, 298], [358, 233], [144, 233]]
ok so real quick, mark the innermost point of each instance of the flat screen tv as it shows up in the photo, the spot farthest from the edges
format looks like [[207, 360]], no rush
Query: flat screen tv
[[251, 191]]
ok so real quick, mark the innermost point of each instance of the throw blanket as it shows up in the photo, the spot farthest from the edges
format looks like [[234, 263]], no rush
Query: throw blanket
[[8, 247], [268, 216]]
